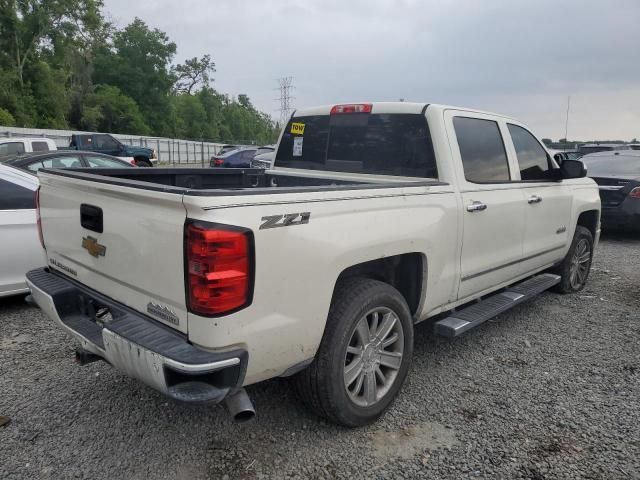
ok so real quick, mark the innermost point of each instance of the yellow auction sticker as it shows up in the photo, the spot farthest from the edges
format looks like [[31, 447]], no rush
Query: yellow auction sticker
[[297, 128]]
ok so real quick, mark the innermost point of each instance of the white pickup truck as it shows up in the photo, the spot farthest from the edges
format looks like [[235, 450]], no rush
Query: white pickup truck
[[376, 217]]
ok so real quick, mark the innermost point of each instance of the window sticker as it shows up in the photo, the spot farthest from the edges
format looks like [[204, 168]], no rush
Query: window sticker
[[297, 128], [297, 146]]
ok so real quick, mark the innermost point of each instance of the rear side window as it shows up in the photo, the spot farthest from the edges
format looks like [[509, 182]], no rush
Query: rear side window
[[15, 197], [101, 162], [85, 141], [484, 158], [11, 148], [40, 146], [532, 158], [380, 144], [71, 161]]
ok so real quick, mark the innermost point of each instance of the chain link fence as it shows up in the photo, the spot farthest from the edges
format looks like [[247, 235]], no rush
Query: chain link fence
[[170, 151]]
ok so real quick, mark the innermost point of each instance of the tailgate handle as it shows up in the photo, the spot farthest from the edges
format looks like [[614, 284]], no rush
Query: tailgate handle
[[91, 217]]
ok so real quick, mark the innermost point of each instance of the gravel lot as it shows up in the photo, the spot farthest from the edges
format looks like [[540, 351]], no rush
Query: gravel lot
[[550, 389]]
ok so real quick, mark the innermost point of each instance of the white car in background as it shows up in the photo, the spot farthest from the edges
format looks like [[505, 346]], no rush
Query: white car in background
[[20, 247], [18, 146]]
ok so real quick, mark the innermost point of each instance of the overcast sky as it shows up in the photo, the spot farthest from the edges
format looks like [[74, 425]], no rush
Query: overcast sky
[[508, 56]]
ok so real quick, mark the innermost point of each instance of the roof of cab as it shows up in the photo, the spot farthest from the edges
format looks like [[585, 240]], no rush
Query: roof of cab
[[390, 107]]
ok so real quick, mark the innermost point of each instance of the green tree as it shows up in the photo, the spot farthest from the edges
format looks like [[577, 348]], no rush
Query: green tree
[[109, 110], [194, 73], [191, 117], [139, 65], [6, 119]]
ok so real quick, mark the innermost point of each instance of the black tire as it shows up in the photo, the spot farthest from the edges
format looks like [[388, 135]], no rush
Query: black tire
[[322, 385], [566, 268], [143, 162]]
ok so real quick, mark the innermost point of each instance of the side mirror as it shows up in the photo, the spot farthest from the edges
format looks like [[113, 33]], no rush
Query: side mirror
[[559, 158], [573, 169]]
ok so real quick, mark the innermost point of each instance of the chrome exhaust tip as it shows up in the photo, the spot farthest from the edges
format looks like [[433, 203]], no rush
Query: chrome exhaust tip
[[240, 406]]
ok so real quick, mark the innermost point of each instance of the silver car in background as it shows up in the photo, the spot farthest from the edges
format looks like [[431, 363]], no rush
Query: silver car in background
[[20, 248]]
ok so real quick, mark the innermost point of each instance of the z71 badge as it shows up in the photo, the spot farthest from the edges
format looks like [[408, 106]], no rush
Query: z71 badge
[[286, 220]]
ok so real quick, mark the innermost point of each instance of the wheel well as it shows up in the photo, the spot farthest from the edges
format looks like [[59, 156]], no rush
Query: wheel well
[[403, 272], [589, 220]]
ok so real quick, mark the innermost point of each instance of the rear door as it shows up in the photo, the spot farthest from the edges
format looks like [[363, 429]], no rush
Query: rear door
[[547, 202], [126, 243], [493, 211]]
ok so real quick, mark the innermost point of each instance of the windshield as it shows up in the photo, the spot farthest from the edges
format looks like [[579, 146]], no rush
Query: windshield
[[617, 166], [380, 144]]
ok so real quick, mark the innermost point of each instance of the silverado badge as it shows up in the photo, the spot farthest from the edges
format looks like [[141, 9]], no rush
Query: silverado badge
[[93, 247], [165, 313]]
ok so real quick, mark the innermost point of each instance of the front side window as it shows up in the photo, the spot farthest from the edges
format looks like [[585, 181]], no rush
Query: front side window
[[106, 142], [11, 148], [532, 158], [15, 197], [484, 158], [372, 143], [40, 146]]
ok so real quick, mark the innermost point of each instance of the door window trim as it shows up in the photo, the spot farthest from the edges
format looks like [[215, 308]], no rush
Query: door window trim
[[499, 123], [512, 151]]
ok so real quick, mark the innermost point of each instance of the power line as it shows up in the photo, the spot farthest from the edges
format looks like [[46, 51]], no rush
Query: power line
[[285, 85], [566, 125]]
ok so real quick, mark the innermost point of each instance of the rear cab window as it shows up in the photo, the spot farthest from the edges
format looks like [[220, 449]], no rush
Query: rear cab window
[[39, 146], [397, 144]]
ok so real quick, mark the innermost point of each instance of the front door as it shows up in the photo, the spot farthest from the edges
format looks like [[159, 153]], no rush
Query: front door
[[493, 211], [547, 202]]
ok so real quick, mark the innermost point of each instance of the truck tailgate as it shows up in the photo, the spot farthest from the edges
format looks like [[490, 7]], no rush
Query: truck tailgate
[[126, 243]]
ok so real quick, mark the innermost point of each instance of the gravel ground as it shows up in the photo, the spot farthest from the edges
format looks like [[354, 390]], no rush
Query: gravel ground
[[550, 389]]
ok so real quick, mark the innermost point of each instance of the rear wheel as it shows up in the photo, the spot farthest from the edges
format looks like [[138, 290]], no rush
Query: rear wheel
[[574, 269], [364, 355], [143, 162]]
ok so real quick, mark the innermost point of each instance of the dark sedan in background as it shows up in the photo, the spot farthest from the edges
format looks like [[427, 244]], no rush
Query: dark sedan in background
[[239, 158], [64, 159], [618, 177]]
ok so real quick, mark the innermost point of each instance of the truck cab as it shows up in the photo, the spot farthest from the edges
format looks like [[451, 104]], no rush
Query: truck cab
[[109, 145]]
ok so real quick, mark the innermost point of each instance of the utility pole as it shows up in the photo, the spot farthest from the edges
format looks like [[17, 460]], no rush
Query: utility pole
[[285, 85], [566, 125]]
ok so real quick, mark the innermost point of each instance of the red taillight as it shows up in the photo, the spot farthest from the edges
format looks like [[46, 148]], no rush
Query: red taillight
[[218, 268], [133, 162], [38, 220], [351, 108], [635, 193], [218, 162]]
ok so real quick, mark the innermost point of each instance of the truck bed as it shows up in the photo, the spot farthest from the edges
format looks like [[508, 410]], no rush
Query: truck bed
[[229, 181]]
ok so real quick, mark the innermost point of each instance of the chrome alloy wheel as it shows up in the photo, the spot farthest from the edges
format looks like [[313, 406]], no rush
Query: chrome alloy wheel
[[374, 356], [580, 264]]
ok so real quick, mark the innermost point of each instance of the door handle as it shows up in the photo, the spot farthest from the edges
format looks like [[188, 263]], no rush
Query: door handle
[[534, 199], [476, 206]]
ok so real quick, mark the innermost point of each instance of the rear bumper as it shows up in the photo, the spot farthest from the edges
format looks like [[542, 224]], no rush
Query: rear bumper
[[135, 344]]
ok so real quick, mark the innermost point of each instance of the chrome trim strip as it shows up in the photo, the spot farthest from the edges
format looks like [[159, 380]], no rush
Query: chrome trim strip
[[515, 262], [201, 367], [287, 202], [611, 187]]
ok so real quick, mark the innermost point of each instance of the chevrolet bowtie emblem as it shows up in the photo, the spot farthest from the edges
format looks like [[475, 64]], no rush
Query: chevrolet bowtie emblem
[[93, 247]]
